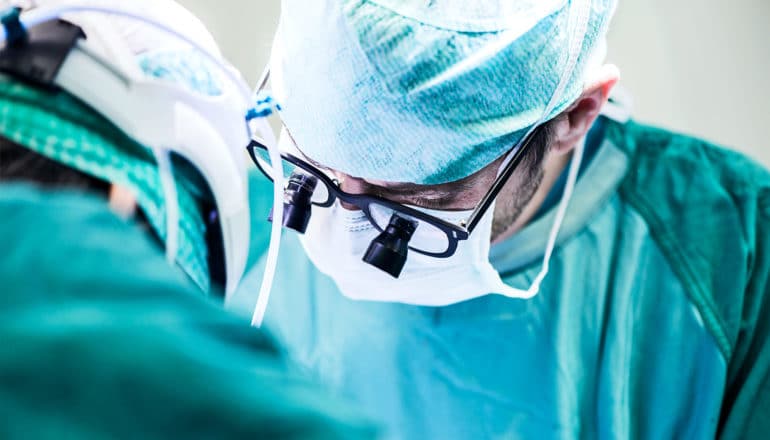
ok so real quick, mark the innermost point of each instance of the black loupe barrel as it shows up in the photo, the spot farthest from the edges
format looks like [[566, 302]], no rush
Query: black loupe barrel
[[297, 198], [389, 250]]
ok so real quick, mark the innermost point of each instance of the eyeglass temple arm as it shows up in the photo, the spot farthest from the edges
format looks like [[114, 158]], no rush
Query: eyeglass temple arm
[[500, 182]]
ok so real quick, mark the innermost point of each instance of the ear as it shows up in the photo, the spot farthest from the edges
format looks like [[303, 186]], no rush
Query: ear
[[572, 125]]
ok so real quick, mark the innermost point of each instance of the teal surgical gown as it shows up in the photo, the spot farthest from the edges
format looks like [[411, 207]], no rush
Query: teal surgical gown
[[652, 323], [101, 339]]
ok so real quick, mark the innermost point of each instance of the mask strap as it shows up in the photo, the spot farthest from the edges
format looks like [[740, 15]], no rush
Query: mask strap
[[561, 214], [277, 226]]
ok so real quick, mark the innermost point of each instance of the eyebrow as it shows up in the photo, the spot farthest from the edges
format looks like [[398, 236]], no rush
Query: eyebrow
[[412, 189], [443, 188], [421, 195]]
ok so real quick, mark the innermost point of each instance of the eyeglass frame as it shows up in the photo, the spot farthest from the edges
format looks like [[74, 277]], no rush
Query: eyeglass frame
[[455, 233]]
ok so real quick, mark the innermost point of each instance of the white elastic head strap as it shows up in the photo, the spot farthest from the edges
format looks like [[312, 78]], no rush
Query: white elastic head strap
[[577, 26]]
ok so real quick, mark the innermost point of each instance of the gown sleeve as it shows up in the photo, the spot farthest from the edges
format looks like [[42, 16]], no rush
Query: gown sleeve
[[746, 408]]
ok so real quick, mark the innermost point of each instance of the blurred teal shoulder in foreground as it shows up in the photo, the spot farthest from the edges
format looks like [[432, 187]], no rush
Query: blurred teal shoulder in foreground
[[101, 338]]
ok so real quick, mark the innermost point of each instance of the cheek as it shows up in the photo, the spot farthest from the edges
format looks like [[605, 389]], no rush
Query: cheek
[[521, 182]]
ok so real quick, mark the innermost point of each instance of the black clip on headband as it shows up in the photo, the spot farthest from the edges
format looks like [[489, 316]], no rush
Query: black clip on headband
[[36, 55]]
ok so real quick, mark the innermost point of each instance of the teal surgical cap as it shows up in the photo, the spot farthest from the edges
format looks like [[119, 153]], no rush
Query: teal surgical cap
[[428, 92]]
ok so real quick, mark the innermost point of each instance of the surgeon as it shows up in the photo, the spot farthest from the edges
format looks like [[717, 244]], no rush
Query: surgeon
[[487, 246], [110, 120]]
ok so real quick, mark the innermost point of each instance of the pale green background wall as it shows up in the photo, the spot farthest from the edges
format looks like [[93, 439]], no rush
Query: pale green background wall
[[697, 66]]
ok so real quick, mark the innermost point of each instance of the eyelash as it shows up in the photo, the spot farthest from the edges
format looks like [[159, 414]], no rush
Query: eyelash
[[428, 202]]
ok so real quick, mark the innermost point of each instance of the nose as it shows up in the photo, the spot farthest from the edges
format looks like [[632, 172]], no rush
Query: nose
[[351, 185]]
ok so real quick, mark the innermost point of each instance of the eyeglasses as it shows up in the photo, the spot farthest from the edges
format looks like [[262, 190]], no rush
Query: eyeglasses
[[432, 236]]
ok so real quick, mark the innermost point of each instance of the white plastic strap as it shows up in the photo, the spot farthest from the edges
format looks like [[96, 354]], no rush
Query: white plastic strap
[[275, 233]]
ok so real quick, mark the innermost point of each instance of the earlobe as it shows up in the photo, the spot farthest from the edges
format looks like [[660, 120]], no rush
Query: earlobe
[[572, 125], [586, 110]]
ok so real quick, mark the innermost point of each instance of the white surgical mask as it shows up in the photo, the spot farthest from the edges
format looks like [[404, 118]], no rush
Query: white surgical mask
[[337, 239]]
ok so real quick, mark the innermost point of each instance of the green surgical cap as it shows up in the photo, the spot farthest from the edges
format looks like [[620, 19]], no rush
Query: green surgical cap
[[60, 127], [422, 91]]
